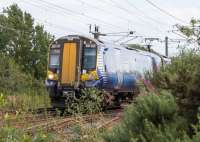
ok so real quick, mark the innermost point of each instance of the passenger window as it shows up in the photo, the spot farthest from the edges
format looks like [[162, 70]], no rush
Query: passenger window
[[89, 58], [54, 58]]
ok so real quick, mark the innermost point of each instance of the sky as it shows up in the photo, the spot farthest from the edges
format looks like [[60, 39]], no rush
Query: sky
[[63, 17]]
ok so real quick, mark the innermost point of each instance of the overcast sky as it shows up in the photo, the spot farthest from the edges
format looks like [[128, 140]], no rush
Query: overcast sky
[[62, 17]]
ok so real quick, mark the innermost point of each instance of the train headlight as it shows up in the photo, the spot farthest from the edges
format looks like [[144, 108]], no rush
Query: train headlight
[[51, 76]]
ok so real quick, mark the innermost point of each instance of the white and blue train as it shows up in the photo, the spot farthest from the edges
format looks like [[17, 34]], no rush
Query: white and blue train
[[77, 62]]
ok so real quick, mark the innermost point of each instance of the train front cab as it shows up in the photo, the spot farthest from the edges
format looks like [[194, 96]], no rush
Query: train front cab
[[72, 60]]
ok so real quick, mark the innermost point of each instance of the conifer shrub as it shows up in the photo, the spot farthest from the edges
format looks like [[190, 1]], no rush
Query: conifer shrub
[[182, 79], [151, 119]]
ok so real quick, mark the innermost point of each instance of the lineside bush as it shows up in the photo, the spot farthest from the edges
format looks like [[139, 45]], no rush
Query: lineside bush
[[14, 81], [182, 79], [152, 119], [15, 135], [19, 90], [89, 102]]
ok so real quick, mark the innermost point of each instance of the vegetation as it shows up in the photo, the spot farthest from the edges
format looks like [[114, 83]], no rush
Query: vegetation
[[13, 80], [15, 135], [152, 119], [85, 133], [170, 116], [181, 78], [23, 51], [19, 90], [192, 32], [26, 43], [173, 115], [89, 102]]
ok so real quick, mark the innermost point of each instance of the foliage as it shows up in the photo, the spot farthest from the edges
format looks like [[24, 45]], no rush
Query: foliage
[[2, 100], [26, 43], [19, 90], [192, 31], [26, 102], [85, 133], [90, 101], [152, 119], [15, 135], [14, 81], [181, 77]]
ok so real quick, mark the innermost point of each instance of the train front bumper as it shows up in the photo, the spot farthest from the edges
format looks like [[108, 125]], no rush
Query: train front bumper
[[50, 83]]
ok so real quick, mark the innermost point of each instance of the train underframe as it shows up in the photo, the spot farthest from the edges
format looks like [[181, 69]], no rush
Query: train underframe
[[61, 97]]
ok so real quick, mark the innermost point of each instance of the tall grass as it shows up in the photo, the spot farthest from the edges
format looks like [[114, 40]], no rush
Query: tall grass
[[25, 102]]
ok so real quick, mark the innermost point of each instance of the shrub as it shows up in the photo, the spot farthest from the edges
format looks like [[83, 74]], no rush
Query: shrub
[[26, 102], [3, 101], [14, 81], [152, 119], [90, 101], [85, 133], [15, 135], [181, 77]]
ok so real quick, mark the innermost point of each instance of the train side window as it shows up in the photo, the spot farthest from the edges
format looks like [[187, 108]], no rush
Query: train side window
[[89, 58], [54, 58]]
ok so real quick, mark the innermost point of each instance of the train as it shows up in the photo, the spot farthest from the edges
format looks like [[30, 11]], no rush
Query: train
[[77, 62]]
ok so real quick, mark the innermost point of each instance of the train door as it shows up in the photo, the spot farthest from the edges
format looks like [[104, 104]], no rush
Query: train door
[[68, 73]]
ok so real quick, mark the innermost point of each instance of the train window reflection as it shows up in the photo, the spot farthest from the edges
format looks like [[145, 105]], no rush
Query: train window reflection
[[89, 60], [54, 60]]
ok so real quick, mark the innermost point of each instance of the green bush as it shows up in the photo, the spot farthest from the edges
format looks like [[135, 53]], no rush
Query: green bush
[[15, 135], [181, 77], [90, 101], [152, 119], [14, 81]]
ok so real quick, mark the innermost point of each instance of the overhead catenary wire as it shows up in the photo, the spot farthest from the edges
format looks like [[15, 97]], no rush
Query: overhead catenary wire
[[143, 20], [63, 28], [139, 10], [193, 41], [64, 11], [165, 12], [50, 24], [132, 38], [146, 15], [39, 20], [108, 12], [54, 10], [82, 14]]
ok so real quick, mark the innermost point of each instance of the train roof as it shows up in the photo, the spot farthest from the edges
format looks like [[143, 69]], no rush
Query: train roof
[[69, 37], [107, 44]]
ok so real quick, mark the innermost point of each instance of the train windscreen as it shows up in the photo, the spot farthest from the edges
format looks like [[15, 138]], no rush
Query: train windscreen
[[89, 61]]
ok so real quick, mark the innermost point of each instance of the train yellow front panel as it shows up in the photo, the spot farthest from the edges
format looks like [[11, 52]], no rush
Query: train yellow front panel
[[69, 64]]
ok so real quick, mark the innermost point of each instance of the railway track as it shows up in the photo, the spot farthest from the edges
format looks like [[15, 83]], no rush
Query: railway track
[[60, 122], [46, 119]]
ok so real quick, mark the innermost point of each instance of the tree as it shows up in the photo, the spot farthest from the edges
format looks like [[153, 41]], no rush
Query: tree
[[26, 43], [182, 76], [191, 31], [41, 43]]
